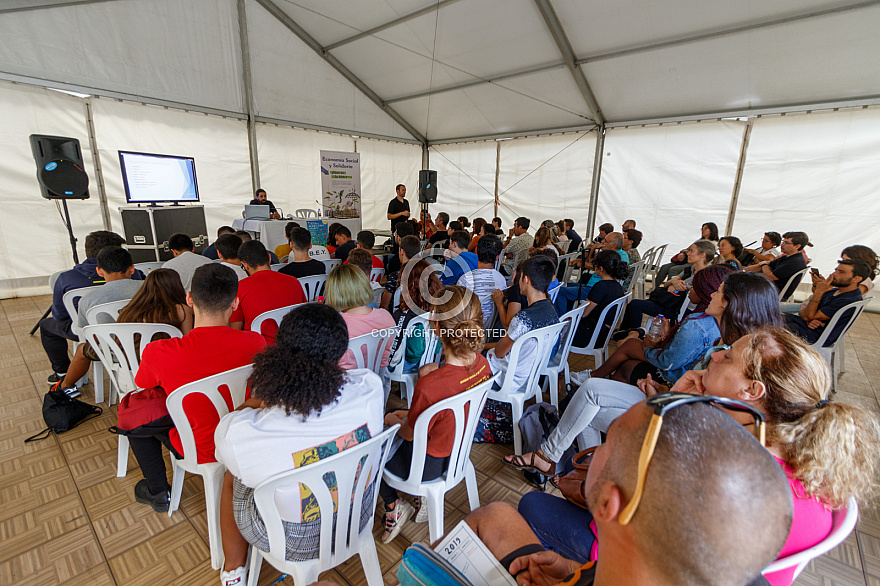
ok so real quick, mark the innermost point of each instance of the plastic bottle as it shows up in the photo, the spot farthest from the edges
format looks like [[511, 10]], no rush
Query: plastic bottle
[[655, 328]]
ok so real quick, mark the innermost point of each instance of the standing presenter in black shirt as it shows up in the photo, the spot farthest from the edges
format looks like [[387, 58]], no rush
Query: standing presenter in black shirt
[[398, 208]]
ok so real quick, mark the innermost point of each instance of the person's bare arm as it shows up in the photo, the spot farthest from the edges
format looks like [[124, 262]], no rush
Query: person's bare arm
[[236, 325], [768, 273], [810, 311], [503, 346]]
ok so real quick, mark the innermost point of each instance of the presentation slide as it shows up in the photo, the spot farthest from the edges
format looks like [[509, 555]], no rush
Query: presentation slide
[[156, 178]]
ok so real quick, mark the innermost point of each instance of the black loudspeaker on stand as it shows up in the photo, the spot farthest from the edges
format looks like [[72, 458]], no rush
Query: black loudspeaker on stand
[[427, 186]]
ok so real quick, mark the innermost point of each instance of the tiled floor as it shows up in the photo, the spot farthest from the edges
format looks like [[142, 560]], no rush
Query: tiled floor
[[66, 518]]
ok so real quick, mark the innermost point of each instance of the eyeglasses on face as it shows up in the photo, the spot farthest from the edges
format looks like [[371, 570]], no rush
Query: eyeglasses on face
[[663, 404]]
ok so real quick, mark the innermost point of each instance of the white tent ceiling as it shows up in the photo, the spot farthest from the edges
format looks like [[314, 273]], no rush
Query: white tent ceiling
[[452, 69]]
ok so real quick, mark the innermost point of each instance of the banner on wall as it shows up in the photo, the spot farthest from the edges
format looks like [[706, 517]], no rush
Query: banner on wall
[[341, 184]]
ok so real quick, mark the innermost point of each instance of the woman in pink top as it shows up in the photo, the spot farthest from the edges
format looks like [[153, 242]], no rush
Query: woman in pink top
[[348, 290]]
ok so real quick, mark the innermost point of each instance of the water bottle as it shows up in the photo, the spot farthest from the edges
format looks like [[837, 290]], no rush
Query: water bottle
[[655, 328]]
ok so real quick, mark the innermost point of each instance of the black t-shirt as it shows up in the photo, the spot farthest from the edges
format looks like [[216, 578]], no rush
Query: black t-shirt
[[442, 237], [395, 206], [256, 202], [575, 240], [829, 305], [342, 251], [783, 268], [602, 294], [393, 264], [308, 268]]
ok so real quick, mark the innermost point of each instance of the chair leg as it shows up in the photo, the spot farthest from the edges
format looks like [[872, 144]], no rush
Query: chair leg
[[553, 379], [842, 351], [122, 457], [213, 486], [470, 480], [178, 475], [254, 565], [98, 376], [516, 411], [370, 561], [435, 515]]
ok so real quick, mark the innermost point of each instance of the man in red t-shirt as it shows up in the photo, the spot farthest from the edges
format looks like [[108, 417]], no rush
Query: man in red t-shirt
[[366, 240], [263, 290], [211, 347]]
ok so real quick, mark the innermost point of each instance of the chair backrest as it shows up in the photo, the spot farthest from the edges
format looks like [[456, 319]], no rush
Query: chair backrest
[[274, 315], [376, 275], [369, 348], [848, 314], [54, 277], [658, 255], [572, 320], [615, 308], [356, 469], [500, 259], [520, 256], [119, 347], [148, 267], [567, 270], [638, 273], [395, 301], [313, 286], [843, 521], [71, 302], [564, 245], [111, 310], [278, 266], [546, 339], [686, 302], [330, 264], [792, 285], [283, 260], [466, 408], [306, 213], [554, 293], [235, 381]]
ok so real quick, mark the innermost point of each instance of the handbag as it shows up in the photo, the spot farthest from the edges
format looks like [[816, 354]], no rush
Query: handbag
[[572, 484], [61, 413], [139, 408]]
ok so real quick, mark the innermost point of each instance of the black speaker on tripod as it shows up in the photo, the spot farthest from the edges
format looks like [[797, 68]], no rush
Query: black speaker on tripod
[[427, 186], [60, 168]]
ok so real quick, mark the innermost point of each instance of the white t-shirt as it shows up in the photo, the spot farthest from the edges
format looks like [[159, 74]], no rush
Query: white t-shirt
[[185, 264], [483, 282], [319, 252], [256, 444]]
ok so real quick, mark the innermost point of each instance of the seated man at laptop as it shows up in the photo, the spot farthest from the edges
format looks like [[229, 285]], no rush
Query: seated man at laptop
[[260, 199]]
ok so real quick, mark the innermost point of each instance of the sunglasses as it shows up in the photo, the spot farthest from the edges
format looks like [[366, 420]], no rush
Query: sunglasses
[[663, 404]]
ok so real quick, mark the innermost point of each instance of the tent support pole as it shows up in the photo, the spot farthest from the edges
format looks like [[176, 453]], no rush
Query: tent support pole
[[96, 159], [741, 164], [248, 96], [594, 187], [497, 172]]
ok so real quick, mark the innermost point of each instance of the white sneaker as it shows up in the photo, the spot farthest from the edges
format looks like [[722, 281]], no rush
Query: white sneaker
[[236, 577], [581, 377], [422, 512], [395, 519]]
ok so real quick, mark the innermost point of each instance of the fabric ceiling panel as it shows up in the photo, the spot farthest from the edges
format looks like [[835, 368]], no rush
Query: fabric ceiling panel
[[33, 239], [218, 145], [546, 177], [291, 82], [465, 179], [599, 27], [185, 51], [799, 63], [670, 179], [815, 173], [290, 164], [383, 166], [485, 109]]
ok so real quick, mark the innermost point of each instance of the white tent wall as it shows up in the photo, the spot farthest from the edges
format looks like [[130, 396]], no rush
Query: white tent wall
[[817, 173], [33, 240], [219, 146], [670, 179], [383, 166], [465, 179]]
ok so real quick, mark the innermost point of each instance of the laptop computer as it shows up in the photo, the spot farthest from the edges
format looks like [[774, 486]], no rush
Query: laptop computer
[[256, 212]]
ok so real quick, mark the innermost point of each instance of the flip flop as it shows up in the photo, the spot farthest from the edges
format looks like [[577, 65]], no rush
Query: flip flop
[[519, 463]]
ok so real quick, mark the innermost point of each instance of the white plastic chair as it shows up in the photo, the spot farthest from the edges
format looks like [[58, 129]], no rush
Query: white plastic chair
[[682, 310], [349, 467], [70, 300], [638, 276], [432, 349], [148, 267], [656, 264], [313, 286], [831, 352], [554, 293], [600, 353], [110, 309], [460, 467], [794, 280], [545, 338], [278, 266], [843, 521], [559, 362], [500, 259], [331, 264], [306, 213], [274, 315], [567, 270], [212, 473], [121, 356], [369, 348], [376, 275]]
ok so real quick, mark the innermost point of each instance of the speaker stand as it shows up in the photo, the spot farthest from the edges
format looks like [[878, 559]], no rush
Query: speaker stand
[[424, 214], [75, 258]]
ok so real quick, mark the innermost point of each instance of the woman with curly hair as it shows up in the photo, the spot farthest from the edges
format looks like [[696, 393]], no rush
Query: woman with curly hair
[[303, 407], [461, 330]]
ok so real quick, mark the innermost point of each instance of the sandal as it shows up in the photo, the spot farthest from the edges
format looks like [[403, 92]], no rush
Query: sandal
[[519, 463]]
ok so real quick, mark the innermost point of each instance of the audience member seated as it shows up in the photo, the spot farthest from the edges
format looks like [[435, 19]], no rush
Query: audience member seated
[[496, 224], [299, 262], [675, 351], [55, 330], [518, 241], [829, 297], [331, 237], [667, 297], [408, 247], [768, 250], [535, 275], [572, 235], [303, 408], [246, 237], [349, 291], [461, 332], [260, 199], [509, 301], [743, 304], [420, 276], [211, 250], [458, 260], [578, 292], [610, 270], [854, 252], [211, 347], [283, 250], [344, 243], [478, 232], [783, 268], [641, 504], [679, 262], [392, 261], [441, 229], [631, 240], [227, 249], [729, 250], [263, 290], [485, 280], [604, 230], [628, 225], [364, 261], [365, 241], [544, 241], [828, 450], [185, 261]]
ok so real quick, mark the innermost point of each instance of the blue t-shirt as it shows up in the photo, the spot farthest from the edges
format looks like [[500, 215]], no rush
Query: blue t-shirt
[[457, 266]]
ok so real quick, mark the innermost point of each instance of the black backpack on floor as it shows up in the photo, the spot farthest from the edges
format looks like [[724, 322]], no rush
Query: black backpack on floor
[[61, 413]]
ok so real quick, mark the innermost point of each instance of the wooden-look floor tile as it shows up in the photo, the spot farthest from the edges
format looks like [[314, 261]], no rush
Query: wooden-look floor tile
[[54, 562], [171, 553]]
